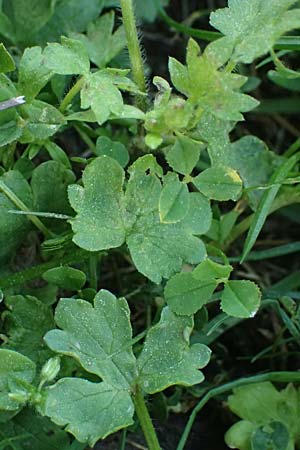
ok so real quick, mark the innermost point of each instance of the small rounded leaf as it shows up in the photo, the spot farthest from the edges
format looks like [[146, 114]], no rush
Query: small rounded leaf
[[241, 298], [65, 278]]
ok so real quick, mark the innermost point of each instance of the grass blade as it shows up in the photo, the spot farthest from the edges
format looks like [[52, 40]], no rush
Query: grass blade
[[266, 202]]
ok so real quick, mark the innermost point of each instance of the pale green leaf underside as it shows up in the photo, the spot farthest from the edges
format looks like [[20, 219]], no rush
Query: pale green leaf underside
[[167, 359], [90, 411], [108, 216], [97, 336]]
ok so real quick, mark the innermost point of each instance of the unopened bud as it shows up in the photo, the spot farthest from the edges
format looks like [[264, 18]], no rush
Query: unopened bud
[[50, 369]]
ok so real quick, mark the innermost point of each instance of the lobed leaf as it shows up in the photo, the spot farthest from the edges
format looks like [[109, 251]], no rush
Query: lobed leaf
[[255, 25], [90, 411], [107, 217], [34, 73], [167, 359], [98, 336], [68, 58], [101, 33]]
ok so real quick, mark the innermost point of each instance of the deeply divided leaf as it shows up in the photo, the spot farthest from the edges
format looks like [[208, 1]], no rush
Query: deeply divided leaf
[[108, 216]]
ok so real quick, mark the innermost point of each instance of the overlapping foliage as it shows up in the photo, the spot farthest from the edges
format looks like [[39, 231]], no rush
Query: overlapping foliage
[[148, 187]]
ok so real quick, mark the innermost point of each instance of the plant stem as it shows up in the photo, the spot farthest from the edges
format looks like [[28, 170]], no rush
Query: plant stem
[[93, 270], [145, 421], [276, 377], [36, 271], [134, 49], [71, 94], [86, 139], [18, 202]]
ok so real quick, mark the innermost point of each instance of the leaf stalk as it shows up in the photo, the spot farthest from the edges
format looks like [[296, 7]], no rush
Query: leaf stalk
[[145, 421]]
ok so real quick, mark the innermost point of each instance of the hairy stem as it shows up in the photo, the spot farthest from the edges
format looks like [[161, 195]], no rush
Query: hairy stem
[[145, 421], [71, 94], [134, 49]]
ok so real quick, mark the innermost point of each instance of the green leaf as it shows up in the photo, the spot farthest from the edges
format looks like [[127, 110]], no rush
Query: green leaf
[[26, 321], [240, 298], [28, 16], [255, 25], [101, 92], [186, 294], [6, 28], [13, 228], [149, 10], [30, 431], [65, 277], [199, 218], [33, 72], [98, 336], [256, 403], [274, 435], [209, 88], [157, 249], [173, 200], [69, 16], [14, 367], [167, 358], [101, 33], [9, 132], [114, 149], [98, 224], [209, 269], [90, 411], [42, 120], [270, 418], [219, 183], [49, 183], [10, 128], [68, 58], [183, 155], [266, 202], [239, 435], [7, 63], [57, 154], [252, 160]]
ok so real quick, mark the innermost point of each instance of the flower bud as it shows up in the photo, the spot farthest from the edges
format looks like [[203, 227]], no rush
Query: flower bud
[[50, 369]]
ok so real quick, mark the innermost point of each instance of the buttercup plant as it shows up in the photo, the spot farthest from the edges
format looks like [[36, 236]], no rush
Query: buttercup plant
[[75, 364]]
